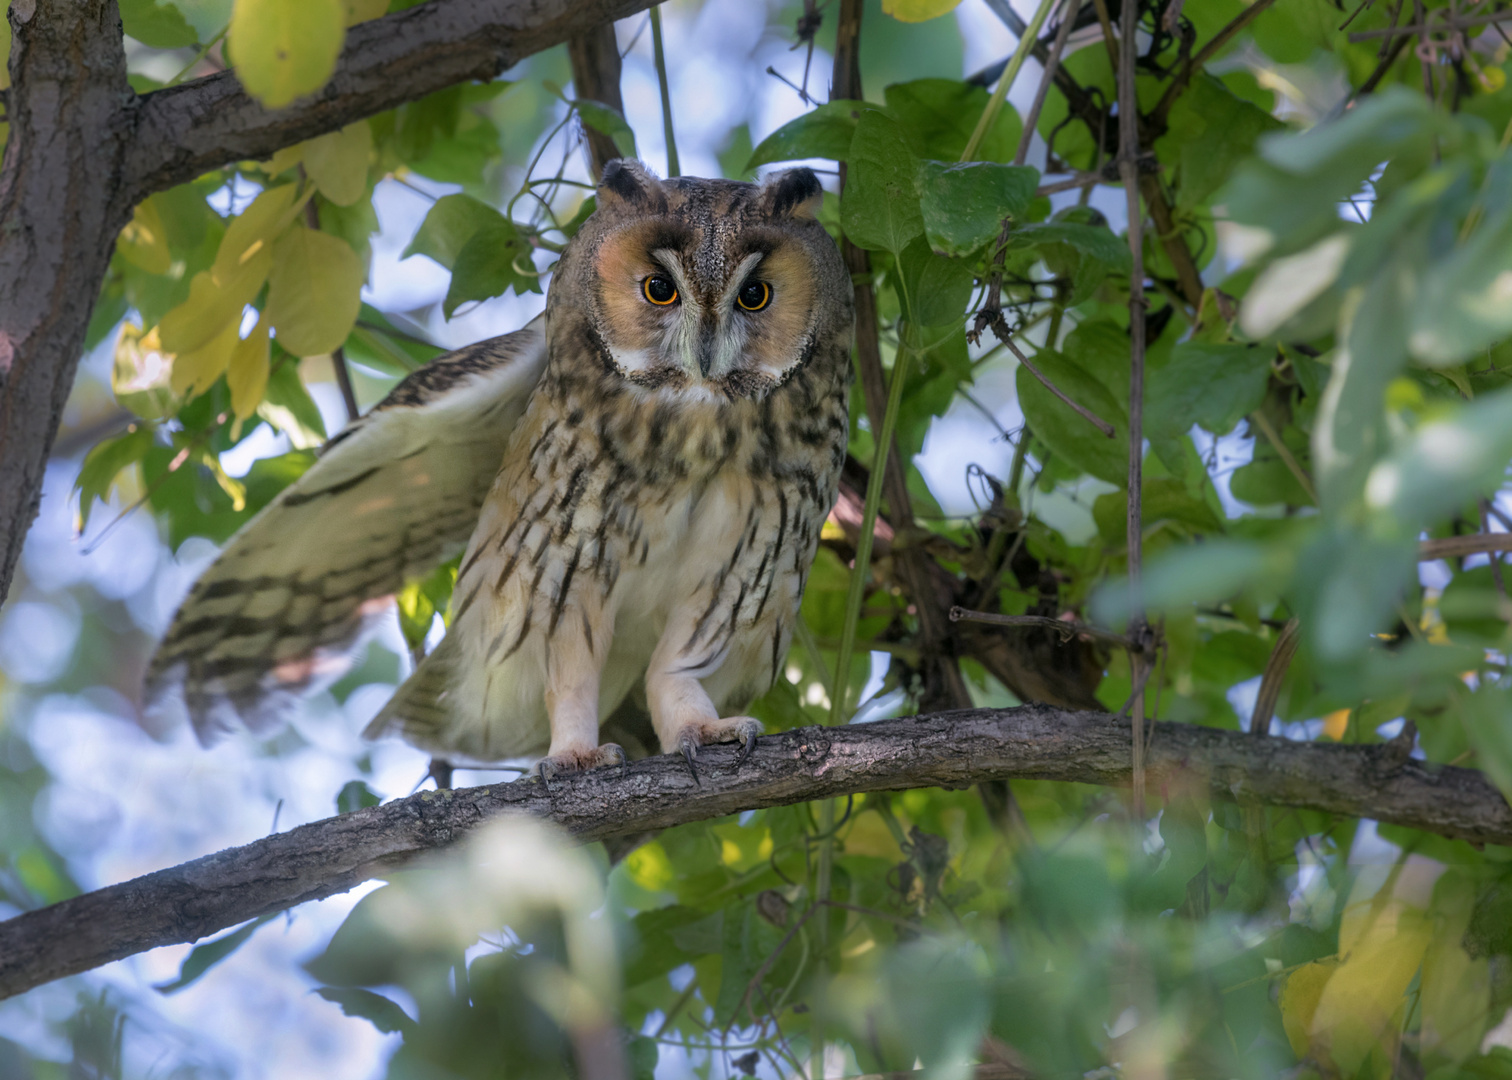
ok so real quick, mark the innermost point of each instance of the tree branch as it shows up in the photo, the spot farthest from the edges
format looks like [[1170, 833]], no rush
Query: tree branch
[[952, 750], [184, 131]]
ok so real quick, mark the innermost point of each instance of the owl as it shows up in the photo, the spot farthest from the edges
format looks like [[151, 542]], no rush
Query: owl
[[636, 480]]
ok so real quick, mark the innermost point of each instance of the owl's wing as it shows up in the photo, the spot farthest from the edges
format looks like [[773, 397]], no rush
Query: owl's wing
[[394, 494]]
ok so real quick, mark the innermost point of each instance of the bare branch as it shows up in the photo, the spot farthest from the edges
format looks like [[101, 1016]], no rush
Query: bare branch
[[1457, 547], [187, 130], [951, 749]]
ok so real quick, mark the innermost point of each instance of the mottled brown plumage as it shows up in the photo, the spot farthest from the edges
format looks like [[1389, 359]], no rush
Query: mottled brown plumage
[[655, 515]]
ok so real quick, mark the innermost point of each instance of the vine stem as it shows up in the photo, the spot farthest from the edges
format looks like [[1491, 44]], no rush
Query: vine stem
[[1128, 167], [674, 168], [860, 572], [1026, 44]]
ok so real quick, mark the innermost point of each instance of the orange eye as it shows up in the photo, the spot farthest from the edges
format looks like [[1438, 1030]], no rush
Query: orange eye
[[754, 295], [659, 290]]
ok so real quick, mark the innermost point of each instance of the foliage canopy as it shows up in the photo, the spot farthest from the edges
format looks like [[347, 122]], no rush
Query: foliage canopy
[[1330, 391]]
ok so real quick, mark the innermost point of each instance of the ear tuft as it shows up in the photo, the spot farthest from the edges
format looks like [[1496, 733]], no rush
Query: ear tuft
[[793, 193], [628, 181]]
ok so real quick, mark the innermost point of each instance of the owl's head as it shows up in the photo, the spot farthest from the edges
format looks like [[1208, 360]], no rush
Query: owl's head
[[706, 289]]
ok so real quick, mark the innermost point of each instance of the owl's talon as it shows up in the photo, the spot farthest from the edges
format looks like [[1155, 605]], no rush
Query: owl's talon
[[557, 765], [689, 745], [547, 770], [747, 735]]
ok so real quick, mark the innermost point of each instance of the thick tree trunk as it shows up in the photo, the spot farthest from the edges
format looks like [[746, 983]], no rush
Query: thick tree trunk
[[61, 206], [952, 750]]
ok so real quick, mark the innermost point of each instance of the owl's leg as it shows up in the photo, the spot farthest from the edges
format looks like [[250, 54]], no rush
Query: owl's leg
[[684, 715], [572, 700]]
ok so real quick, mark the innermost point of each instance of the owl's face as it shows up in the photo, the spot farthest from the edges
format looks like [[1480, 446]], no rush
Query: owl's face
[[708, 290]]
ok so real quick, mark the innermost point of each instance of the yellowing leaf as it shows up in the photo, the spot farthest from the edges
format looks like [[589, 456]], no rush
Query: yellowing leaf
[[338, 162], [247, 374], [255, 229], [217, 296], [141, 374], [918, 10], [285, 49], [1299, 1001], [1335, 724], [1456, 990], [314, 291], [144, 242], [195, 370], [212, 307], [362, 10], [1381, 944], [284, 160]]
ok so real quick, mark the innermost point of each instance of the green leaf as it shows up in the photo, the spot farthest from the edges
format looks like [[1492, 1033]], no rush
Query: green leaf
[[378, 1010], [485, 266], [939, 115], [314, 291], [964, 204], [644, 1054], [1066, 432], [1163, 499], [285, 49], [288, 407], [610, 122], [104, 463], [825, 132], [1197, 573], [338, 162], [156, 23], [1448, 461], [935, 290], [1466, 301], [1078, 246], [1484, 715], [1210, 131], [355, 795], [880, 208], [1211, 385], [449, 225], [204, 957]]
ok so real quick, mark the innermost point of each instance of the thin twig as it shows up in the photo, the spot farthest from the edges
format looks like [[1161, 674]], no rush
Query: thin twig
[[1431, 26], [674, 168], [1026, 44], [1292, 464], [1206, 53], [1457, 547], [1273, 676], [1081, 410], [1066, 628], [1069, 12]]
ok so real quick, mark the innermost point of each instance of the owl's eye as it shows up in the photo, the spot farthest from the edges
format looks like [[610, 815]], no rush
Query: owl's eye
[[754, 295], [659, 290]]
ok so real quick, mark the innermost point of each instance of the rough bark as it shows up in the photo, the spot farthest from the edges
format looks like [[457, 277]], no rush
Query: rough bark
[[84, 149], [951, 750], [60, 209], [596, 76]]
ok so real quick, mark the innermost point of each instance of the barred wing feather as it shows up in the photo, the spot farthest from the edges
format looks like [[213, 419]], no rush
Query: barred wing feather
[[282, 608]]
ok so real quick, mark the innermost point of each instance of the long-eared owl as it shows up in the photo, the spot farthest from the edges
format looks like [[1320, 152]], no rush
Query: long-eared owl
[[639, 478]]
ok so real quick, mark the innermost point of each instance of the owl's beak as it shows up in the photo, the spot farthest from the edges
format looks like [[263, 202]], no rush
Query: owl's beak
[[708, 338]]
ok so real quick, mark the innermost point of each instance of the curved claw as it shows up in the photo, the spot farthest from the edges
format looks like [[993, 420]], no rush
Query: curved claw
[[547, 770], [748, 733], [689, 747]]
